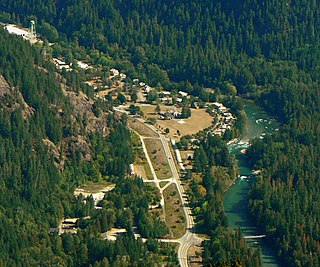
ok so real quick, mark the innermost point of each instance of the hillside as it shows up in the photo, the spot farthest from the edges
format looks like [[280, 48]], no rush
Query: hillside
[[51, 141], [266, 50], [204, 42]]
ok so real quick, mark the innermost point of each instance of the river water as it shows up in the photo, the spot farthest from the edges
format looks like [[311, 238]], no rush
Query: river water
[[235, 199]]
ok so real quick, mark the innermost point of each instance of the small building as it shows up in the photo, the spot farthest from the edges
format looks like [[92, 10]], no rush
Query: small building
[[123, 76], [70, 220], [147, 89], [166, 100], [114, 72], [165, 93], [60, 64], [83, 65], [183, 94], [13, 29], [26, 34], [178, 156], [131, 169]]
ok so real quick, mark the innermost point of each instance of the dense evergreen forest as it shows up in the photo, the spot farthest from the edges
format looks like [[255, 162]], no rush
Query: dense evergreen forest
[[36, 116], [268, 49], [204, 42]]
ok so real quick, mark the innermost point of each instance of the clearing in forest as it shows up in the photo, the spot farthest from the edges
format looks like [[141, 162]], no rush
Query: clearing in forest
[[142, 129], [158, 158], [198, 121], [175, 217]]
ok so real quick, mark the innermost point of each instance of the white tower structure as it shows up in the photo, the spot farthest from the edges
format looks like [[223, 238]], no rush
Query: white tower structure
[[32, 32]]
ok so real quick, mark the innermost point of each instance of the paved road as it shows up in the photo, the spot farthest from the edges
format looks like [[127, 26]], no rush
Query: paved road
[[189, 238]]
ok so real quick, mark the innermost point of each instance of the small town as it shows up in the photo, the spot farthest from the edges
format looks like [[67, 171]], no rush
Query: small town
[[159, 133]]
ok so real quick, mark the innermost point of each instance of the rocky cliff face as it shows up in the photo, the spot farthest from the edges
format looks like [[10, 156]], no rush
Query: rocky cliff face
[[83, 119]]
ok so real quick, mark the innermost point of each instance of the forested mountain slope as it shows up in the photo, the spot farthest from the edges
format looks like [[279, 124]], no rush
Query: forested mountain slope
[[201, 41], [39, 128], [268, 49]]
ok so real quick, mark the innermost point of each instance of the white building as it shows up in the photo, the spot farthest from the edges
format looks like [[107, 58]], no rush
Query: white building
[[114, 72], [24, 33], [183, 94], [83, 65], [61, 64]]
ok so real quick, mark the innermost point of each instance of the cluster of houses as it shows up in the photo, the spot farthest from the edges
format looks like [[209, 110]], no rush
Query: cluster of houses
[[67, 226], [167, 99], [143, 86], [225, 119], [114, 73], [97, 83], [61, 64], [169, 114]]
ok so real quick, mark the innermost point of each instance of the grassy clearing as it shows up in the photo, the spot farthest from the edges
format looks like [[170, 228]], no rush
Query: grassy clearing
[[149, 111], [162, 184], [94, 187], [141, 128], [175, 217], [158, 158], [198, 121], [141, 165], [195, 253]]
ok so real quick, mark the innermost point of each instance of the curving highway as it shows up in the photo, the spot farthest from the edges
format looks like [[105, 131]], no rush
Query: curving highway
[[189, 238]]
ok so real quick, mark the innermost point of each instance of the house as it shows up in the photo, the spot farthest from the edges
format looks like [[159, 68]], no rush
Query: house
[[166, 100], [183, 94], [70, 220], [131, 169], [61, 64], [147, 89], [83, 65], [13, 29], [26, 34], [165, 93], [223, 109], [114, 72]]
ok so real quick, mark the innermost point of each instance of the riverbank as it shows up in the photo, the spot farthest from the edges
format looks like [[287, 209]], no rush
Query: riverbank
[[236, 196]]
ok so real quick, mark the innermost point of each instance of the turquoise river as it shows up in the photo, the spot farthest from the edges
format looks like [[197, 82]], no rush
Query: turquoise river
[[259, 124]]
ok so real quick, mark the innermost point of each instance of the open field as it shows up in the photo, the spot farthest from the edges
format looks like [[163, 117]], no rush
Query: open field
[[184, 156], [195, 253], [141, 128], [158, 158], [175, 217], [149, 110], [198, 121], [162, 184], [95, 187], [141, 166], [143, 171], [103, 93]]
